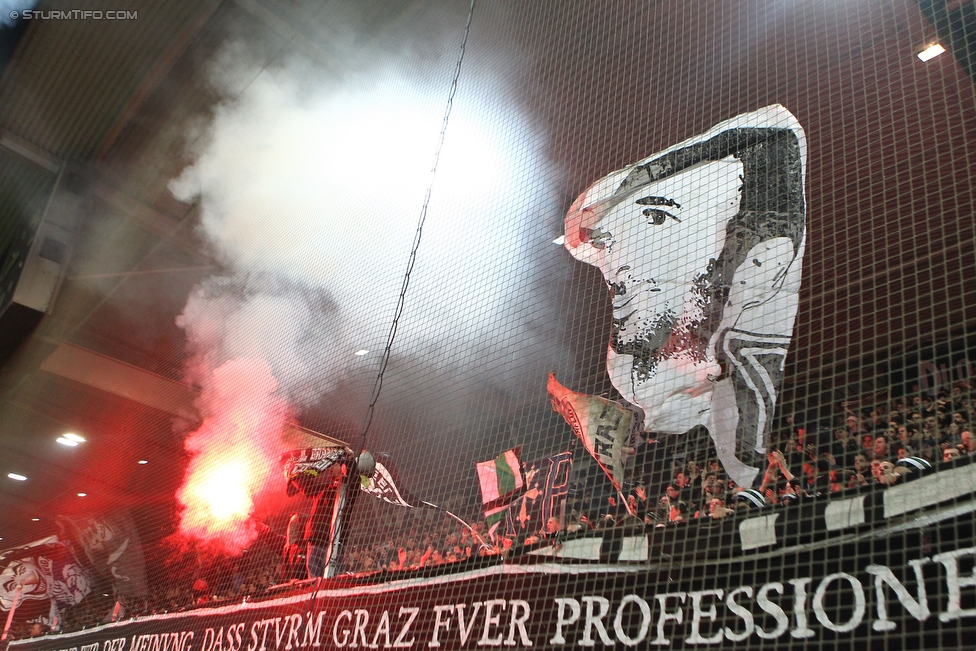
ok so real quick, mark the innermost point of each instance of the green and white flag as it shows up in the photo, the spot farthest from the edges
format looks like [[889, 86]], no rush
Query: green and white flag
[[501, 482]]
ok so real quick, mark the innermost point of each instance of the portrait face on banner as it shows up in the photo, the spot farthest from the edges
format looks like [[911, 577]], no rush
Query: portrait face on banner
[[701, 247], [26, 574], [41, 578], [658, 342], [97, 536], [45, 570]]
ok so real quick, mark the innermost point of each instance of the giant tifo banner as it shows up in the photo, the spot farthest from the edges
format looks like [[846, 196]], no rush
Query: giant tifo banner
[[701, 246], [826, 573]]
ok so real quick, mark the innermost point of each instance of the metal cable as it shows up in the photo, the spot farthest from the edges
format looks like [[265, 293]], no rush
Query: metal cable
[[398, 312]]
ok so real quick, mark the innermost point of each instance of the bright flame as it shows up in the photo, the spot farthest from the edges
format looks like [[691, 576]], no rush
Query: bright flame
[[233, 474], [222, 491]]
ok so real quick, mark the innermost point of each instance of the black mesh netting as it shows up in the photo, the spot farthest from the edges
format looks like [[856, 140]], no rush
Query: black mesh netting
[[653, 317]]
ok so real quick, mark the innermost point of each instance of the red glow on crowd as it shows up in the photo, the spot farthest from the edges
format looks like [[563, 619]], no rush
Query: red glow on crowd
[[233, 476]]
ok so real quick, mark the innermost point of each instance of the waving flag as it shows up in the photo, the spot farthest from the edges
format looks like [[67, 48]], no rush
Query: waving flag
[[304, 466], [382, 485], [111, 544], [546, 489], [605, 427], [501, 481], [40, 578]]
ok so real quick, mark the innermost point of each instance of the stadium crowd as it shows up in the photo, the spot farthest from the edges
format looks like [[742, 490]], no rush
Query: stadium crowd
[[877, 444], [670, 483]]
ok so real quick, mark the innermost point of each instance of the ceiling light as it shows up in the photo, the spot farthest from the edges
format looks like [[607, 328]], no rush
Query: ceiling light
[[68, 442], [82, 494], [560, 240], [930, 52], [142, 462], [16, 476], [71, 436], [361, 352]]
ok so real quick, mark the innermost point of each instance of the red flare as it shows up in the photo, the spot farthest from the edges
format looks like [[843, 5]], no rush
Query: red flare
[[233, 475]]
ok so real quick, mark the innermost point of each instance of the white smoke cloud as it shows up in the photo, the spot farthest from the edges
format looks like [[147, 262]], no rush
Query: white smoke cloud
[[310, 195], [321, 190]]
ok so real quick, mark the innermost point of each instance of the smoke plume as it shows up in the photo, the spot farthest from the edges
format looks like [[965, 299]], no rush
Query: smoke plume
[[310, 191]]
